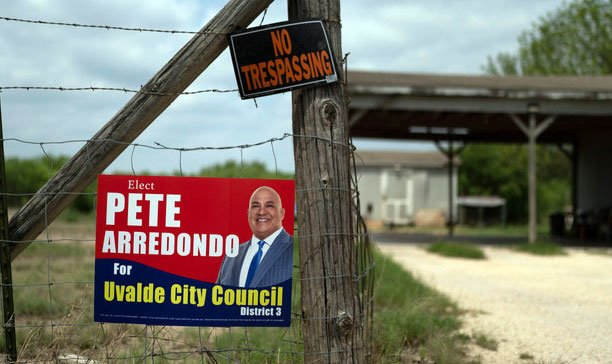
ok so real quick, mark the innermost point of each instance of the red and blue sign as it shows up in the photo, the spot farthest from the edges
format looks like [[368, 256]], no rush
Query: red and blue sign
[[160, 243]]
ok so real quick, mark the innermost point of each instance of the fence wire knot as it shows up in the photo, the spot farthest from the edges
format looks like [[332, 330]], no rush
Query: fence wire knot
[[344, 322]]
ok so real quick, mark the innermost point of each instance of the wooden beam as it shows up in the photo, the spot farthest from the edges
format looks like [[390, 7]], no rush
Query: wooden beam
[[532, 130], [130, 121], [539, 129], [533, 179], [8, 302]]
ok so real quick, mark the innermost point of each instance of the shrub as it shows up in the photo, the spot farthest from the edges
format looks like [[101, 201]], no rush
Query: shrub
[[457, 250]]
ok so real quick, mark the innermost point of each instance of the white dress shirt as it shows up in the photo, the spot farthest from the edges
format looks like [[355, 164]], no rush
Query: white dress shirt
[[252, 250]]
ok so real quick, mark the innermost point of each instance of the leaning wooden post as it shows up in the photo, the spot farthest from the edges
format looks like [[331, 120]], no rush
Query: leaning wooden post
[[332, 314], [130, 121]]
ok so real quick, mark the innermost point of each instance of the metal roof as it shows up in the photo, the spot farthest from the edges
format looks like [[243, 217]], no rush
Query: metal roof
[[476, 108], [370, 158]]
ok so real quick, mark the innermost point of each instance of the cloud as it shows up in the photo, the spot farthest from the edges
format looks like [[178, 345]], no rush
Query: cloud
[[437, 36]]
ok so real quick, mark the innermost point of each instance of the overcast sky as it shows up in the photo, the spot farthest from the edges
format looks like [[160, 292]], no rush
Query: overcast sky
[[424, 36]]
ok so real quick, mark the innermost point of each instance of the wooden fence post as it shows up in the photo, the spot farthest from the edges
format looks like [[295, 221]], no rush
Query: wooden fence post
[[8, 306], [99, 152], [332, 314]]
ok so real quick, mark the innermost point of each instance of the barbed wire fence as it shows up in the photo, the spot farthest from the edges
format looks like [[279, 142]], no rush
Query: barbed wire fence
[[54, 310], [53, 278]]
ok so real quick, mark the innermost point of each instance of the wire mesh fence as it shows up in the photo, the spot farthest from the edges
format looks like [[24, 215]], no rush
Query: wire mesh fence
[[53, 278], [53, 282]]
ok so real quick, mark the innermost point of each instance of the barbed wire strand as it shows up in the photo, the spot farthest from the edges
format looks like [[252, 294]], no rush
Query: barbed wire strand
[[181, 162], [297, 235], [158, 145], [274, 154], [132, 159], [141, 91], [263, 16], [155, 145], [49, 172], [108, 27], [112, 89], [241, 162], [345, 67], [30, 194]]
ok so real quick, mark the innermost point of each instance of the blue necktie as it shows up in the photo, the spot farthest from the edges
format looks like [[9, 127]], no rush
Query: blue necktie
[[254, 264]]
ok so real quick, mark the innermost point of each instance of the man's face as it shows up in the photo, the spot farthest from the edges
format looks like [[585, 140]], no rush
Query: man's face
[[265, 213]]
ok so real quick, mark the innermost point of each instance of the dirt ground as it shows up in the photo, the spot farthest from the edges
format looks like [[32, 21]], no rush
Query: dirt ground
[[538, 309]]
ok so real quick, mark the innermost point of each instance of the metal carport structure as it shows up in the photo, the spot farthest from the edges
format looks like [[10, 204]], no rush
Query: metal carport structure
[[564, 110]]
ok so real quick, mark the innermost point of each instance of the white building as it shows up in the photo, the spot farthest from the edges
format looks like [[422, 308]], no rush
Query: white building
[[399, 188]]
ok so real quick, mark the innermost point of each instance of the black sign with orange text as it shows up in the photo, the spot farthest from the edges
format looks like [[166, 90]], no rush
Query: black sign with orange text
[[282, 57]]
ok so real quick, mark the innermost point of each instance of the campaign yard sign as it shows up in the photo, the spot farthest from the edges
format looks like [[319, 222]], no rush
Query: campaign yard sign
[[161, 243], [280, 57]]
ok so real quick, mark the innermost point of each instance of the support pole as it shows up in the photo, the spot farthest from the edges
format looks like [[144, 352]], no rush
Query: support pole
[[8, 306], [450, 152], [99, 152], [572, 155], [575, 180], [332, 313], [532, 131], [532, 179], [451, 220]]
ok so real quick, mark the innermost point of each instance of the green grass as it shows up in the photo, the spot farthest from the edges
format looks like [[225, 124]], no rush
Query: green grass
[[546, 248], [54, 313], [407, 313], [48, 277], [485, 342], [457, 250], [408, 316], [266, 344], [470, 231]]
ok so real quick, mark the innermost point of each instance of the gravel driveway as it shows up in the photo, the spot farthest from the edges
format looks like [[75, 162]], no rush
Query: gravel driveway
[[549, 309]]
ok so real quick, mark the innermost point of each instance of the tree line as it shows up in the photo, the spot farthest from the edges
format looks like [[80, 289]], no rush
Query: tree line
[[501, 170], [25, 176], [574, 39], [485, 170]]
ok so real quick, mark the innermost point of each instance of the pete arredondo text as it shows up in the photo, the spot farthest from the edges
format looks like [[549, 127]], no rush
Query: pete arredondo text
[[136, 206]]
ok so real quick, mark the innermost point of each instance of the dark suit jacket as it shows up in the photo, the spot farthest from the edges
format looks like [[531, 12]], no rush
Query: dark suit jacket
[[275, 267]]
